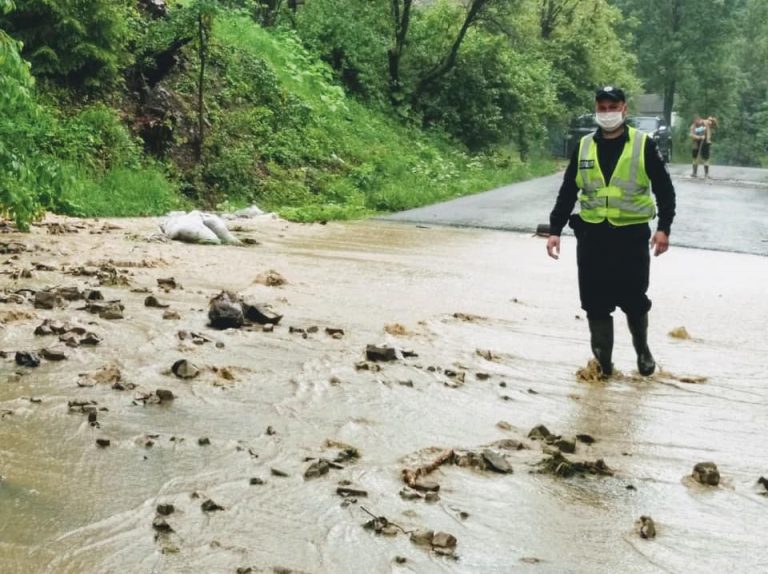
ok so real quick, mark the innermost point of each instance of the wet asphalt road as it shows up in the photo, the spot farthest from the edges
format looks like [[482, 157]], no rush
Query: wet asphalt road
[[728, 212]]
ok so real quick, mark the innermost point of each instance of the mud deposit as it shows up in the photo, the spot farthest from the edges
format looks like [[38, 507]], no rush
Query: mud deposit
[[386, 423]]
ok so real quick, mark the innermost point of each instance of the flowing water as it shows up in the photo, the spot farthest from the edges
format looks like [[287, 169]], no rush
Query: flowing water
[[69, 506]]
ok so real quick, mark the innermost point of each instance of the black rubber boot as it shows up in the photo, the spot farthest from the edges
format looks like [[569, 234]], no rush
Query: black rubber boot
[[601, 335], [695, 170], [706, 171], [638, 326]]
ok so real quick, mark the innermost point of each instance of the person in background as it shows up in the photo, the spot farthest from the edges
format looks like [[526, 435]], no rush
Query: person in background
[[710, 124], [612, 173], [700, 147]]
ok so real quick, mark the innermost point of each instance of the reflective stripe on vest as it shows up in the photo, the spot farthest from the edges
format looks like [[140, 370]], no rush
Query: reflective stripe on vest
[[626, 199]]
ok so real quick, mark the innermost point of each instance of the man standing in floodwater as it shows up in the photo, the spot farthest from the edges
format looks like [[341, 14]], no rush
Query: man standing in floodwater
[[612, 174]]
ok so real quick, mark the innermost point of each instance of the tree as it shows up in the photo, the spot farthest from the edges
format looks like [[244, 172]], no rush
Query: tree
[[30, 179], [676, 39], [204, 12], [447, 62], [83, 43]]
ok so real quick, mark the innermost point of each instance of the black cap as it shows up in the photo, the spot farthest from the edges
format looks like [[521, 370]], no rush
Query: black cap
[[610, 93]]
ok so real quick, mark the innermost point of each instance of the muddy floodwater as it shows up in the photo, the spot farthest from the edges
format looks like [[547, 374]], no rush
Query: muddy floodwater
[[493, 337]]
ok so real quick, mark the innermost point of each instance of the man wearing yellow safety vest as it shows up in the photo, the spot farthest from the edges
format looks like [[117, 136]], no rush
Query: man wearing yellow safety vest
[[612, 173]]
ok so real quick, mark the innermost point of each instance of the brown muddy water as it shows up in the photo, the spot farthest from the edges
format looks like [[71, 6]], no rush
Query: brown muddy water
[[70, 506]]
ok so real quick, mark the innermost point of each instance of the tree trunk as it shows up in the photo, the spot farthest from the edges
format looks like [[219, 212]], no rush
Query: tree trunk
[[202, 49], [670, 84], [394, 54]]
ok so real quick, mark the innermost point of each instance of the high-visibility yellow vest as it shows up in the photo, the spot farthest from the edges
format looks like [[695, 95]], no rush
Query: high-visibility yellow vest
[[626, 198]]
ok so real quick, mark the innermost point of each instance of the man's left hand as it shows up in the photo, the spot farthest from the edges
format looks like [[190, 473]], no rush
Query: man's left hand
[[659, 243]]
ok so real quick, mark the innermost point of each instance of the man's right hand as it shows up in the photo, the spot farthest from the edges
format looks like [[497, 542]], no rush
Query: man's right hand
[[553, 246]]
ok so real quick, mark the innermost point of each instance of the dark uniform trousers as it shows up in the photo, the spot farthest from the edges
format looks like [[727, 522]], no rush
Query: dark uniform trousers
[[614, 264]]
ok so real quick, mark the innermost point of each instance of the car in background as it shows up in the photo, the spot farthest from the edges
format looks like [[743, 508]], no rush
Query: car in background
[[579, 127], [658, 130], [652, 125]]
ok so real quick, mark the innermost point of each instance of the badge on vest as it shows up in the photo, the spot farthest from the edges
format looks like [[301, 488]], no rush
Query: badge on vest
[[586, 163]]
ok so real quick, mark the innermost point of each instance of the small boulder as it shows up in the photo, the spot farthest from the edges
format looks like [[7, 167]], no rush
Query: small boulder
[[165, 509], [444, 540], [539, 432], [496, 462], [566, 446], [261, 314], [706, 473], [164, 395], [210, 506], [225, 311], [646, 527], [47, 300], [27, 359], [422, 537], [317, 468], [184, 369], [152, 301], [380, 353]]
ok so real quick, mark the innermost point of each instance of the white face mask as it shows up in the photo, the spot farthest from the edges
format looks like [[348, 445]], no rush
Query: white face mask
[[609, 120]]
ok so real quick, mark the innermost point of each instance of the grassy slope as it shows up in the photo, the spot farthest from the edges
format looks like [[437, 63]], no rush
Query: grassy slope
[[388, 166], [362, 160]]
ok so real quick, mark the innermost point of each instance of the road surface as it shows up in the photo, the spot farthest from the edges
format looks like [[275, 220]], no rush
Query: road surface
[[728, 212]]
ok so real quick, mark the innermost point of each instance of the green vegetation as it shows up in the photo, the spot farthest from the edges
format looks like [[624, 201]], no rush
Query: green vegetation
[[337, 108]]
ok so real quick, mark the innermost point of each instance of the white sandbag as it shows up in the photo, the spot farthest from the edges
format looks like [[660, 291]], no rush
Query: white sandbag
[[217, 225], [188, 227]]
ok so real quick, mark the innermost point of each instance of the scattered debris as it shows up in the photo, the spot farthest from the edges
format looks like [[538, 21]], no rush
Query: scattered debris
[[487, 354], [396, 329], [106, 375], [592, 373], [561, 466], [270, 278], [679, 333], [168, 283], [103, 442], [468, 317], [346, 492], [412, 475]]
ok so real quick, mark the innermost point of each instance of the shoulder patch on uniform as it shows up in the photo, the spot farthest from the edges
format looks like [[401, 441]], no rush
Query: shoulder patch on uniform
[[586, 163]]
